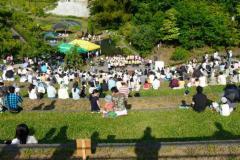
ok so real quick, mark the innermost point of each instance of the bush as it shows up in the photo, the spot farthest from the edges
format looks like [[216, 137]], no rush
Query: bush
[[180, 54]]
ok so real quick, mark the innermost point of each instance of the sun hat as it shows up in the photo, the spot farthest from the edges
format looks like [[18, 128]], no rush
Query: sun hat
[[108, 98], [224, 100]]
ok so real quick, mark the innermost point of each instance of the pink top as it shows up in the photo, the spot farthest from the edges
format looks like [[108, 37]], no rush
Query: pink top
[[109, 105]]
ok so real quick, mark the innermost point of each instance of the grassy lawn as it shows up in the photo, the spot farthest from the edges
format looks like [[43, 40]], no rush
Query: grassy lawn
[[50, 127]]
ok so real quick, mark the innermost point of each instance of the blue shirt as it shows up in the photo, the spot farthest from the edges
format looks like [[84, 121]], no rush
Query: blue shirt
[[44, 68], [11, 101], [111, 84]]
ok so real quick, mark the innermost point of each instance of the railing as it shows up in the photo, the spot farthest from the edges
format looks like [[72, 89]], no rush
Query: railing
[[84, 147]]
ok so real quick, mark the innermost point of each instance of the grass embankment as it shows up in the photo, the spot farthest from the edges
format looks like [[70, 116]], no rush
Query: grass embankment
[[165, 125], [174, 125], [165, 97]]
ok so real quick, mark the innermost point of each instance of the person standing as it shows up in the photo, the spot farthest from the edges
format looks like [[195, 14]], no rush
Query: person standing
[[94, 101], [124, 89]]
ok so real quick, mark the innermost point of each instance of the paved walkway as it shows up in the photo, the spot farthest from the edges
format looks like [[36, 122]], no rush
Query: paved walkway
[[18, 34]]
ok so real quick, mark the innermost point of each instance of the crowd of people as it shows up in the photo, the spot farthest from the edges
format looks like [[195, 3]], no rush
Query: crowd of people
[[49, 79], [122, 62]]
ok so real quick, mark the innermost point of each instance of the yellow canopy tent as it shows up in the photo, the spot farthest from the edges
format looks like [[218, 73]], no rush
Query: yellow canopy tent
[[85, 45]]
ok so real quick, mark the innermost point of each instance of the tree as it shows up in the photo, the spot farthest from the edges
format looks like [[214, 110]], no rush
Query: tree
[[73, 59], [202, 23], [145, 41], [169, 28]]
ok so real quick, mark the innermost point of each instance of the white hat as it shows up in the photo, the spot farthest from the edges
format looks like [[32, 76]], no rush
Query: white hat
[[224, 100]]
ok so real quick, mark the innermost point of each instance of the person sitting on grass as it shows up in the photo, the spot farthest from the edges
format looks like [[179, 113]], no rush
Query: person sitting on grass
[[174, 83], [22, 136], [63, 92], [222, 80], [94, 101], [12, 101], [32, 92], [146, 85], [3, 88], [156, 83], [51, 91], [119, 101], [108, 107], [200, 100], [225, 109], [75, 91]]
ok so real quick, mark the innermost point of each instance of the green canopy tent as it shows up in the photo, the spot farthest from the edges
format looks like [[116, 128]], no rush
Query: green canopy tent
[[66, 47]]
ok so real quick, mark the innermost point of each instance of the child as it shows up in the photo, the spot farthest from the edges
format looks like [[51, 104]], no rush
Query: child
[[223, 108], [108, 107], [94, 100]]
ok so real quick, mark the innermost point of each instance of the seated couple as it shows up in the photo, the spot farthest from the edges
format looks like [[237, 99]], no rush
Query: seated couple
[[200, 102], [115, 105], [10, 101]]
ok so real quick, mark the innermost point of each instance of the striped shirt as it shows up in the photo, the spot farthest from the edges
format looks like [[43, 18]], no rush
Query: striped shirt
[[124, 90]]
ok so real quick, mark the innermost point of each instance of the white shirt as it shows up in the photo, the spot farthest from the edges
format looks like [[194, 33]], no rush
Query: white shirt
[[151, 78], [91, 89], [156, 84], [30, 77], [63, 93], [225, 110], [202, 81], [118, 84], [51, 92], [33, 94], [66, 80], [23, 79], [30, 140], [75, 94], [222, 80]]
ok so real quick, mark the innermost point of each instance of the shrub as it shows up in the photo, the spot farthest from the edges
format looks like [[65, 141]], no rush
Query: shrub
[[180, 54]]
